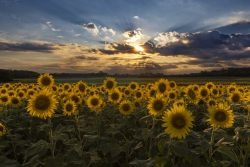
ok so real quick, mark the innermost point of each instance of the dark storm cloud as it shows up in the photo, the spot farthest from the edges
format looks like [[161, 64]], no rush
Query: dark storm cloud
[[204, 45], [240, 27], [116, 48], [28, 47], [89, 26]]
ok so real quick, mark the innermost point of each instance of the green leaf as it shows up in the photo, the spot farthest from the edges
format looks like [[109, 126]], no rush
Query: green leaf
[[8, 162], [112, 131], [53, 162], [139, 145], [161, 145], [247, 148], [71, 141], [180, 149], [38, 148], [204, 146], [145, 134], [228, 152], [160, 161]]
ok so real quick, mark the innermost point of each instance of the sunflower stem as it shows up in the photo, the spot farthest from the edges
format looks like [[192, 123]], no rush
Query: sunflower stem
[[170, 142], [51, 138], [151, 136], [211, 145]]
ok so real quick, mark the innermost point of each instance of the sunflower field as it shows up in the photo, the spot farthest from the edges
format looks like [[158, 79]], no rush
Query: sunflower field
[[155, 124]]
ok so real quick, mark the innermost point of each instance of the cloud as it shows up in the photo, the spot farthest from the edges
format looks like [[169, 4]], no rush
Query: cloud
[[137, 17], [116, 48], [91, 27], [52, 28], [201, 45], [110, 30], [29, 47], [134, 35]]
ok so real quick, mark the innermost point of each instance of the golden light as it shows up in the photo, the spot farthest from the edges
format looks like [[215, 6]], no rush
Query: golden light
[[138, 48]]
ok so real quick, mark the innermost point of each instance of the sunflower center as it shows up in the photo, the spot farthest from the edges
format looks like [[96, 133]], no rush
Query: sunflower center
[[220, 116], [172, 85], [126, 107], [158, 105], [14, 101], [42, 102], [94, 101], [114, 96], [126, 92], [162, 87], [137, 104], [191, 94], [75, 98], [82, 87], [20, 94], [215, 91], [138, 94], [109, 84], [132, 86], [4, 99], [204, 92], [212, 103], [235, 98], [46, 81], [152, 92], [209, 86], [11, 93], [69, 107], [1, 129], [3, 91], [178, 121], [171, 95]]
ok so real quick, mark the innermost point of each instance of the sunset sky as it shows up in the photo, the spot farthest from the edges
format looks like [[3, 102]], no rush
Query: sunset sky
[[124, 36]]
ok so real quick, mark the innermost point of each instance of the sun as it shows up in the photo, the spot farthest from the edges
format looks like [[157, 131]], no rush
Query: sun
[[138, 48]]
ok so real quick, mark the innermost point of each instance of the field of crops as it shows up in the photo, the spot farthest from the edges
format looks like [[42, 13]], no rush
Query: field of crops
[[138, 123]]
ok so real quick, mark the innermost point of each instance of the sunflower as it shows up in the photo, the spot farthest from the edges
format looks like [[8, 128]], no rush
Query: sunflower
[[151, 93], [115, 96], [209, 85], [109, 83], [42, 104], [76, 98], [7, 85], [231, 88], [45, 80], [11, 93], [191, 93], [172, 95], [133, 86], [179, 102], [21, 94], [215, 92], [157, 105], [138, 94], [178, 121], [137, 103], [211, 102], [5, 99], [172, 84], [3, 90], [94, 102], [162, 86], [69, 107], [220, 116], [81, 87], [126, 107], [2, 129], [127, 92], [203, 92], [30, 92], [66, 87], [15, 101], [235, 97]]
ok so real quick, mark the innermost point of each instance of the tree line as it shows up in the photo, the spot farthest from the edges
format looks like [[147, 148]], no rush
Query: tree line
[[7, 75]]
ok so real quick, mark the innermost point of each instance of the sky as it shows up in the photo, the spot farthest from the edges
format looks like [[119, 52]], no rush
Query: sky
[[124, 36]]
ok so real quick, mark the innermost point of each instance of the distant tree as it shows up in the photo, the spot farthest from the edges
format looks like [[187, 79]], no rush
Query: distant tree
[[5, 75]]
